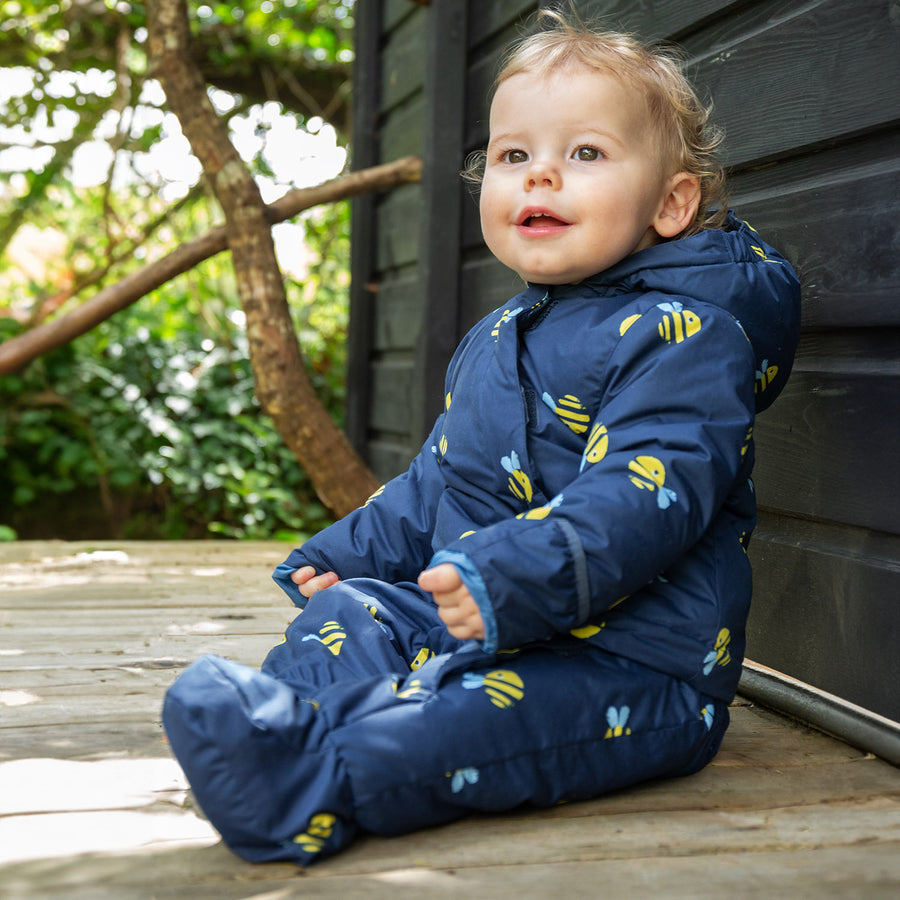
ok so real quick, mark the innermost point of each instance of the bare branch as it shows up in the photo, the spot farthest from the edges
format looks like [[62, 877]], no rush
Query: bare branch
[[20, 350]]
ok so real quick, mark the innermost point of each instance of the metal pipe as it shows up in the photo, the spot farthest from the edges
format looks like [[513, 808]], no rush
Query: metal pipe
[[853, 724]]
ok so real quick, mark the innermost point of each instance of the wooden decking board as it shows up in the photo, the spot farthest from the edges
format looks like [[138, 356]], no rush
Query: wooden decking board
[[89, 643]]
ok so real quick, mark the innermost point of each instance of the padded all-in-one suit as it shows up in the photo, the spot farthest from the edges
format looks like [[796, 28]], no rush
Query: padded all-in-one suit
[[589, 478]]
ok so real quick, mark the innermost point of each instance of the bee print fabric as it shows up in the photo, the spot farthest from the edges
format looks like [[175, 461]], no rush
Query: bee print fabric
[[589, 479]]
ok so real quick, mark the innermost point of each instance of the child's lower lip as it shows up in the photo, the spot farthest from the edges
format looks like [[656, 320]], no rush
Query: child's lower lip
[[541, 230]]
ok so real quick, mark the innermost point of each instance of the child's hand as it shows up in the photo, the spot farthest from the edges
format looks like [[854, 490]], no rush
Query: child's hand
[[308, 582], [456, 608]]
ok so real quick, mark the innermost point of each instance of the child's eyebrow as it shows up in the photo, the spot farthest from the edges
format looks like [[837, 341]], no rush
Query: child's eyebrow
[[600, 133], [505, 137], [581, 132]]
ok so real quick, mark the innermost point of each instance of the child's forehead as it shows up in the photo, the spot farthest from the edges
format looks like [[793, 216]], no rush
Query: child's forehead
[[556, 77], [610, 88]]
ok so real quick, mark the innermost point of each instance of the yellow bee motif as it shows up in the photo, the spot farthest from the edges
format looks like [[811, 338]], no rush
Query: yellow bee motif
[[503, 686], [650, 474], [719, 655], [466, 534], [625, 324], [422, 657], [373, 611], [541, 512], [708, 714], [762, 254], [442, 445], [747, 437], [507, 315], [597, 445], [447, 401], [317, 832], [587, 631], [677, 323], [519, 482], [414, 687], [331, 634], [764, 375], [616, 719], [377, 493], [571, 410]]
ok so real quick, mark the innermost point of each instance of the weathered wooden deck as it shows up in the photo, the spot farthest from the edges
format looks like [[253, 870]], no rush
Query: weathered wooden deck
[[92, 805]]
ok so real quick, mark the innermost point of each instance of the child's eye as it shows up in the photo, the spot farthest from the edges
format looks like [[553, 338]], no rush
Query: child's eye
[[515, 156], [586, 154]]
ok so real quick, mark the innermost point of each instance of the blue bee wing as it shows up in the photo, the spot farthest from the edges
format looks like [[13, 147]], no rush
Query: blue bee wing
[[709, 661], [612, 717], [665, 497], [471, 680], [461, 777], [507, 464], [549, 400]]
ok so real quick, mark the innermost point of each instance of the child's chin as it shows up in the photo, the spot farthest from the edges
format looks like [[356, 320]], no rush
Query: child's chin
[[552, 277]]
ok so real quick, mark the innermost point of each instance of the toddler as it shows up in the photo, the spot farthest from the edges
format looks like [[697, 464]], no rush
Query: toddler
[[550, 603]]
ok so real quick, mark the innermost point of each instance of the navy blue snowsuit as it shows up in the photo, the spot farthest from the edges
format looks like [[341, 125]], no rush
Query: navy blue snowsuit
[[589, 478]]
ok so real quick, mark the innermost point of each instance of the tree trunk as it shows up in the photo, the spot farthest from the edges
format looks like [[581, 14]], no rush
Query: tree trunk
[[342, 481]]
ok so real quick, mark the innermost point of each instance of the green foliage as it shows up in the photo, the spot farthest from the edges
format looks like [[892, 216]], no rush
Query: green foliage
[[153, 412], [147, 426]]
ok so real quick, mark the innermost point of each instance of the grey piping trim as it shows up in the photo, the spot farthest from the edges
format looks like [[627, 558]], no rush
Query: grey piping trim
[[582, 585]]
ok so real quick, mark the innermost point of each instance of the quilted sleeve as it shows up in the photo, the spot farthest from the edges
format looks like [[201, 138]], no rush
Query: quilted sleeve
[[388, 538]]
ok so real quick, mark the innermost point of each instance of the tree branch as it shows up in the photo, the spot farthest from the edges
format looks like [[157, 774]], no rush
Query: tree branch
[[20, 350]]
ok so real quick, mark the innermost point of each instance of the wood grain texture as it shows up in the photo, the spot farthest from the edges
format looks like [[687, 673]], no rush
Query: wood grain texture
[[103, 811]]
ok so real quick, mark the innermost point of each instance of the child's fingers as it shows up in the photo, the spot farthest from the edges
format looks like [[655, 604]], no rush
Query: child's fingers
[[441, 579], [308, 582], [303, 574], [463, 621]]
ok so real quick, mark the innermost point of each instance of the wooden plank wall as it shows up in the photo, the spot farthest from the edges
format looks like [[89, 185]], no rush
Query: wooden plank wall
[[809, 95]]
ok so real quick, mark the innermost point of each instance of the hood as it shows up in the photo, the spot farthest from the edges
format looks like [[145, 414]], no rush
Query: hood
[[734, 269]]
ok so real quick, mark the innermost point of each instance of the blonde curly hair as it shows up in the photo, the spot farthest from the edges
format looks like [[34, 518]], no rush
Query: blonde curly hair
[[684, 137]]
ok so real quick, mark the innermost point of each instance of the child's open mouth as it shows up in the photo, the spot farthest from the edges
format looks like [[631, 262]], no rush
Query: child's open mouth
[[537, 220], [543, 221]]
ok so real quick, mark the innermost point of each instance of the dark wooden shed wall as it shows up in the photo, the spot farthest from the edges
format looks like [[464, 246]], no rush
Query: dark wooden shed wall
[[809, 95]]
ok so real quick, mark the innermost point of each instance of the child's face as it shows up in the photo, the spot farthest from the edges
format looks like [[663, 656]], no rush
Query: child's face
[[572, 183]]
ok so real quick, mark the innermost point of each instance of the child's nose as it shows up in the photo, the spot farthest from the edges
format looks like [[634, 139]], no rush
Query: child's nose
[[542, 173]]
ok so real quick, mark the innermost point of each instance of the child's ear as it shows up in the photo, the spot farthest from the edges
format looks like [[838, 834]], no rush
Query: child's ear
[[679, 206]]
